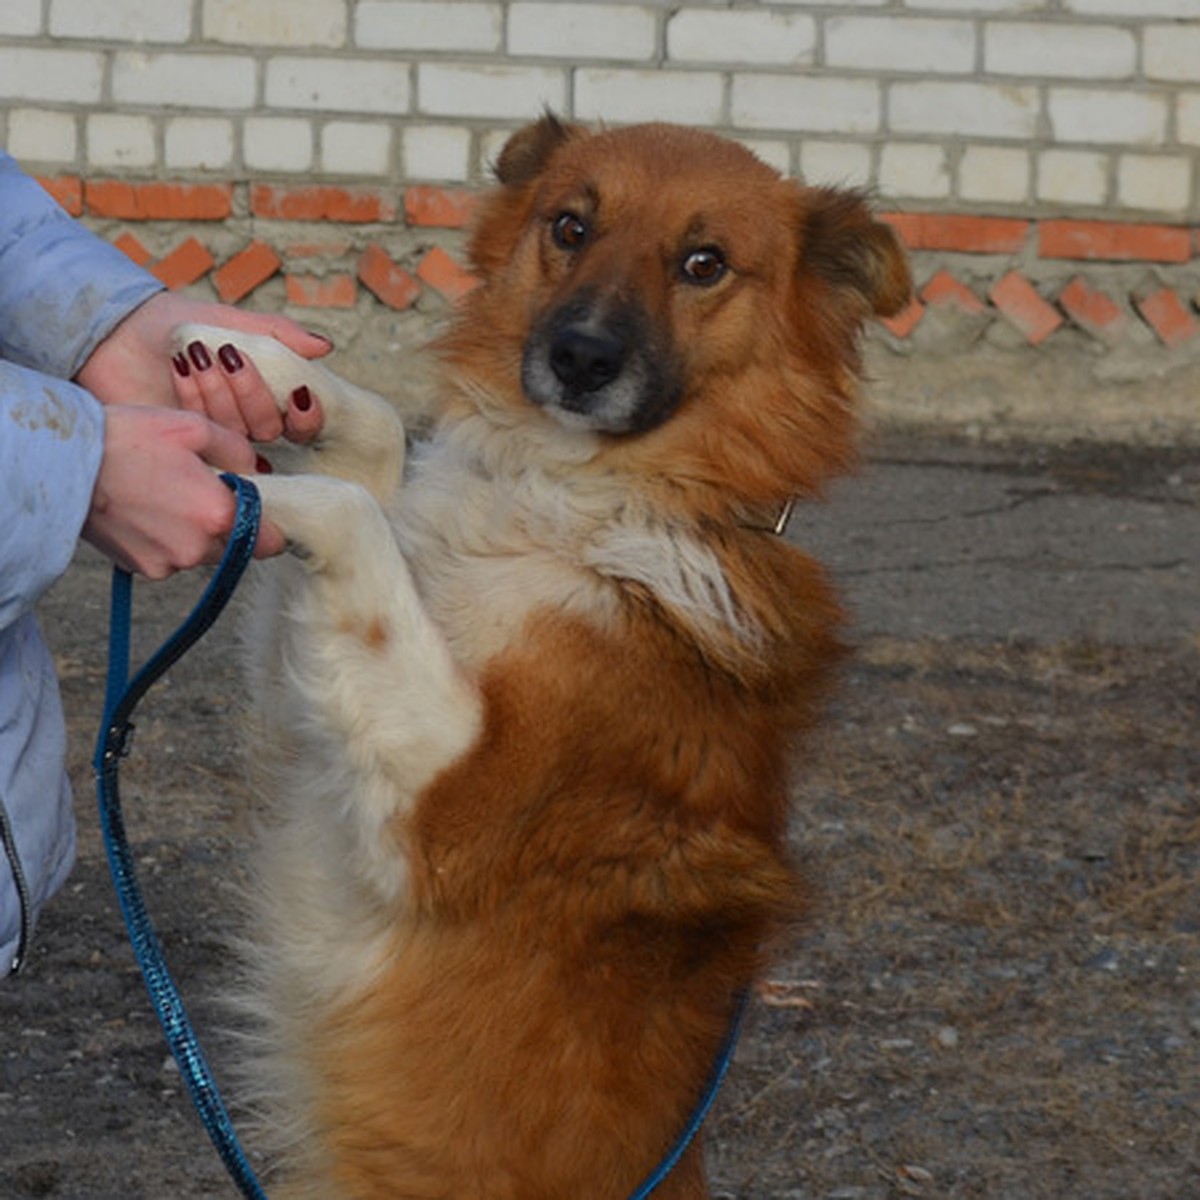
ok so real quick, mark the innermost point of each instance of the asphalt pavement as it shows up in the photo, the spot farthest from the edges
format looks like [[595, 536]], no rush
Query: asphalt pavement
[[934, 539]]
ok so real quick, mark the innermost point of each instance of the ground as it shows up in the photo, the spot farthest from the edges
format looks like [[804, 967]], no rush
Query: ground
[[996, 992]]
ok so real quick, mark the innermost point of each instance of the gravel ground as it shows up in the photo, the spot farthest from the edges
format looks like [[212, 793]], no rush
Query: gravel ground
[[997, 995]]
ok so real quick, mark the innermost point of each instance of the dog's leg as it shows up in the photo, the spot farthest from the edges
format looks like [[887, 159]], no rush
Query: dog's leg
[[362, 438], [368, 675]]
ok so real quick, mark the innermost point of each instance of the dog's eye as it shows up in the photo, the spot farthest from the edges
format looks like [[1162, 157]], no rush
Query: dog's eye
[[704, 266], [570, 231]]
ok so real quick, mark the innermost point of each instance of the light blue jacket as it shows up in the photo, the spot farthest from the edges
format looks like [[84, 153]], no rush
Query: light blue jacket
[[62, 290]]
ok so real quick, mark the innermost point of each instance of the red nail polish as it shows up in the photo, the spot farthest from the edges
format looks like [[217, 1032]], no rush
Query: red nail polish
[[262, 466], [302, 399], [180, 363], [231, 360], [199, 355]]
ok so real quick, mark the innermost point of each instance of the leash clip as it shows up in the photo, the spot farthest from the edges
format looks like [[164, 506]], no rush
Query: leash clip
[[118, 742]]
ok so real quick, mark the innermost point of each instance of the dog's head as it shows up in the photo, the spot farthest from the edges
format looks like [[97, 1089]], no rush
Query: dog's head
[[645, 278]]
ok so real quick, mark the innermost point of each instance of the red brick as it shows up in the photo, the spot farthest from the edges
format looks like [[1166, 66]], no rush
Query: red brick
[[67, 190], [132, 248], [1167, 315], [1019, 301], [158, 201], [944, 291], [346, 205], [444, 275], [1094, 311], [961, 234], [185, 264], [329, 248], [245, 271], [446, 208], [317, 291], [1114, 241], [391, 283], [905, 321]]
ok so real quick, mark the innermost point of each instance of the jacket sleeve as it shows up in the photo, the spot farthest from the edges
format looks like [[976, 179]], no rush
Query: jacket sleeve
[[62, 288], [51, 441]]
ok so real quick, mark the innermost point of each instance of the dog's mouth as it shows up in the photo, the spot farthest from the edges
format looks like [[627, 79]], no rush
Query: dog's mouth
[[599, 371]]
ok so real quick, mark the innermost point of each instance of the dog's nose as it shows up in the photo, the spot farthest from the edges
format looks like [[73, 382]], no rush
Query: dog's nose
[[583, 361]]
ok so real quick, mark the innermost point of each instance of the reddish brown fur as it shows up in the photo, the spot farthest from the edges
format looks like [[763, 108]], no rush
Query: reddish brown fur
[[600, 875]]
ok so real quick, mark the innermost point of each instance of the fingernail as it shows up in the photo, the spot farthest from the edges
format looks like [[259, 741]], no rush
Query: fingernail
[[198, 353], [231, 360], [302, 399], [320, 337], [180, 363], [262, 466]]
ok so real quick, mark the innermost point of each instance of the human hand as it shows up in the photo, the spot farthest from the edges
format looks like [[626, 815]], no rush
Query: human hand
[[224, 385], [157, 505], [132, 367]]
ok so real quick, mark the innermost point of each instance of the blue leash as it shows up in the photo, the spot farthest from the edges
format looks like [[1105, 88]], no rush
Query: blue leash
[[716, 1077], [121, 698]]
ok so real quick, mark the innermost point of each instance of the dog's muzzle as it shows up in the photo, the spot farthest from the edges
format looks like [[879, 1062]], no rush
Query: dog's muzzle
[[598, 371]]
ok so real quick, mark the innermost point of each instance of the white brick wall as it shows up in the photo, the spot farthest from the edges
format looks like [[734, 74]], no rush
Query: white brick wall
[[21, 18], [1073, 177], [277, 144], [122, 20], [808, 103], [740, 37], [1012, 106], [424, 27], [40, 136], [114, 140], [585, 31], [266, 22], [199, 143], [1070, 50], [628, 96], [178, 80], [376, 85], [909, 45], [65, 76]]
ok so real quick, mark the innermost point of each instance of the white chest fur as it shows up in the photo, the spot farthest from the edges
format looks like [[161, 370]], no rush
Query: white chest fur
[[492, 535], [487, 548]]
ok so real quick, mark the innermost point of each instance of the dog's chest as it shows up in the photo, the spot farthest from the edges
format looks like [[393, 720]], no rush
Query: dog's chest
[[487, 554]]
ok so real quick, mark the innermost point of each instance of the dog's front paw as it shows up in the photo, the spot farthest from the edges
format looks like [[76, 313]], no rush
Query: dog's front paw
[[282, 370], [325, 520]]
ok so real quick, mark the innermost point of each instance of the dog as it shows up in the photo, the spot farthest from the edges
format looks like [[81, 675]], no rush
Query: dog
[[524, 706]]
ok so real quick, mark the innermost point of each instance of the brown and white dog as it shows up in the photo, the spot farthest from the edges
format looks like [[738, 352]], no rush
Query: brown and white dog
[[527, 705]]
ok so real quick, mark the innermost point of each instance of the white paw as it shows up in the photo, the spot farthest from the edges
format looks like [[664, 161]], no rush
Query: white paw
[[282, 369], [328, 522]]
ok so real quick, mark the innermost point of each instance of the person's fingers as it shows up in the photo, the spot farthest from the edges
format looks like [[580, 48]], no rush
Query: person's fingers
[[187, 389], [224, 449], [304, 417], [270, 540], [258, 408], [305, 342], [213, 385]]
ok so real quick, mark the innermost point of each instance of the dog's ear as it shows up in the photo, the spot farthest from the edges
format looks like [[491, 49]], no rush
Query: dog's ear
[[526, 153], [842, 243]]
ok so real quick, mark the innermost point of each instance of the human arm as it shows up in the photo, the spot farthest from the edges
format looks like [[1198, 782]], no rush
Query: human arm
[[51, 441], [73, 306], [62, 289], [139, 483]]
